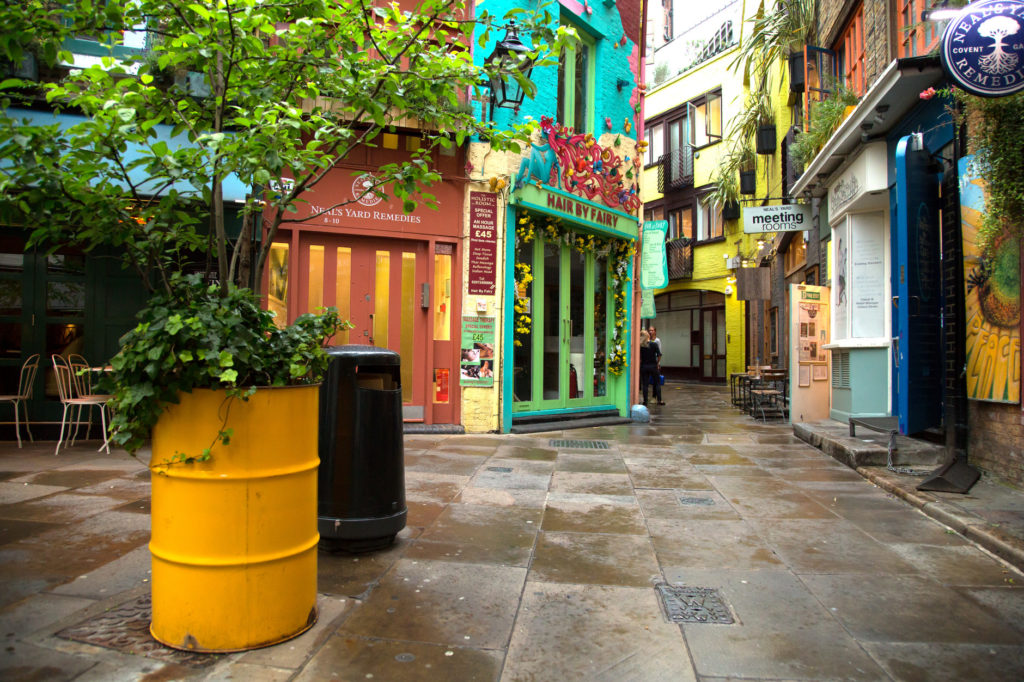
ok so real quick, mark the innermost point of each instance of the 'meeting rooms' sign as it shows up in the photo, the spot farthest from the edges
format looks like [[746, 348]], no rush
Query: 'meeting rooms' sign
[[983, 48], [789, 218]]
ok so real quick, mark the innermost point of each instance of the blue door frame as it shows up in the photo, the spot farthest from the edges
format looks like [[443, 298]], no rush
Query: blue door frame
[[917, 305]]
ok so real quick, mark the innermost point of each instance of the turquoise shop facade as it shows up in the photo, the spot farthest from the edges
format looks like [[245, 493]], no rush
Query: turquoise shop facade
[[577, 187]]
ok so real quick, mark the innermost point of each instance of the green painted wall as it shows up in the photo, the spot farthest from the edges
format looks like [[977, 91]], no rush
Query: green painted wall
[[869, 381]]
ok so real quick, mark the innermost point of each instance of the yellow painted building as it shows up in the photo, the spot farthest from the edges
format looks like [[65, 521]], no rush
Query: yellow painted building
[[690, 120]]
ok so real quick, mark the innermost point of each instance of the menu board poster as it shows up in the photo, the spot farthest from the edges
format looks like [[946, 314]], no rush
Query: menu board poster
[[483, 243], [476, 368], [653, 260]]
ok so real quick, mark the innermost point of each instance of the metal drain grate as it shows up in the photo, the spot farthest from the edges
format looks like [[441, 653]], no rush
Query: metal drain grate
[[694, 604], [126, 629], [590, 444], [501, 470], [690, 501]]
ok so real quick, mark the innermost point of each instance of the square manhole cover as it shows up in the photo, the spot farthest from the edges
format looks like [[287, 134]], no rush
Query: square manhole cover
[[586, 444], [691, 501], [685, 604], [126, 629]]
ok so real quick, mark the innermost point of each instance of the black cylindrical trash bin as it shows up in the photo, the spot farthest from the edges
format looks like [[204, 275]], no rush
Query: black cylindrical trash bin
[[361, 503]]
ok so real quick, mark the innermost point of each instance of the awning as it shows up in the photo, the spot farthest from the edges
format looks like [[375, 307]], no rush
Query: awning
[[891, 96], [234, 189]]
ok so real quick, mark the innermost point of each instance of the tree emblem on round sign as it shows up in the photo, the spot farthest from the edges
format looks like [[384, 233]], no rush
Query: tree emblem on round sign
[[983, 48], [362, 190]]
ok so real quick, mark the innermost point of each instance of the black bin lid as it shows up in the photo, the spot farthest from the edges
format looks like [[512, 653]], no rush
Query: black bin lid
[[359, 355]]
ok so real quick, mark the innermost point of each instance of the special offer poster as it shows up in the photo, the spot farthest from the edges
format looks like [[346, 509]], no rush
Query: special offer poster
[[476, 367]]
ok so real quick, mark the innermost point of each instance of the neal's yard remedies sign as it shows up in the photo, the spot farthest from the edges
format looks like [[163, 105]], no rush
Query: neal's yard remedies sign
[[983, 48], [791, 218]]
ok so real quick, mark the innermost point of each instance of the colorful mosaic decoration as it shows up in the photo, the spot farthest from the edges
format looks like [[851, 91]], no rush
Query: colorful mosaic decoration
[[620, 254], [584, 167]]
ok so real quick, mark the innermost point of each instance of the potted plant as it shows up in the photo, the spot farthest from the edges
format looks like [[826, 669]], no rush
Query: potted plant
[[825, 118], [764, 115], [225, 388], [746, 161], [725, 193]]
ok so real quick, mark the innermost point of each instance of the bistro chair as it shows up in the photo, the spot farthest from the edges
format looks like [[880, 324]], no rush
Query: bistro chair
[[24, 394], [74, 386], [770, 398]]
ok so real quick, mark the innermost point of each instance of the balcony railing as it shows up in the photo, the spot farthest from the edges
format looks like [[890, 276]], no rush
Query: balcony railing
[[675, 170], [680, 259]]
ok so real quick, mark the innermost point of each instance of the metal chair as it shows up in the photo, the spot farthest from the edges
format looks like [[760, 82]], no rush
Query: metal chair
[[24, 394], [74, 385]]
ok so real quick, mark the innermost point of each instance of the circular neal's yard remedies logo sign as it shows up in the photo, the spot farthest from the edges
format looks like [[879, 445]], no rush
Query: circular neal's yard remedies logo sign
[[362, 190], [983, 48]]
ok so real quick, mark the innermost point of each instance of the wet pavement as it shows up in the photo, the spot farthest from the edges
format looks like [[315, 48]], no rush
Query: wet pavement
[[703, 546]]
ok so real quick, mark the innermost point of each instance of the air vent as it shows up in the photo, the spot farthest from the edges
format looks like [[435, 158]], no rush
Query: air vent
[[586, 444], [840, 369]]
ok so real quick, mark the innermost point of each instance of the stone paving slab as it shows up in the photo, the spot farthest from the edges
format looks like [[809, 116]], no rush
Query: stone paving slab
[[528, 561]]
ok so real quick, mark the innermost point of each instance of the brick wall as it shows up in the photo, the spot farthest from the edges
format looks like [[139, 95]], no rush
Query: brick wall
[[831, 13], [995, 441], [876, 39], [832, 18]]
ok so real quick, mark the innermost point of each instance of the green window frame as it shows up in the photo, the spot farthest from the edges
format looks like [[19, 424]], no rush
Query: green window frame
[[576, 75], [103, 45]]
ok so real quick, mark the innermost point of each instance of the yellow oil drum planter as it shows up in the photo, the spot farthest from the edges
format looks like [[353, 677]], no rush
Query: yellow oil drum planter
[[234, 538]]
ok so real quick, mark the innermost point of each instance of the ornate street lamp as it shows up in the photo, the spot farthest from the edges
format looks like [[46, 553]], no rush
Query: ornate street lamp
[[510, 52]]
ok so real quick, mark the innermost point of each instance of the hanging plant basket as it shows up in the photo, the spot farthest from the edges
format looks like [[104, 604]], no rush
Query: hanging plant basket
[[731, 210], [766, 139], [796, 71], [748, 182]]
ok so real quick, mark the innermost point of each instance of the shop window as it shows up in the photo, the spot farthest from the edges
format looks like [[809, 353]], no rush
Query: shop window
[[680, 223], [575, 84], [811, 277], [707, 119], [657, 213], [655, 136], [849, 51], [773, 333], [711, 224], [442, 293], [796, 254], [916, 37], [277, 285]]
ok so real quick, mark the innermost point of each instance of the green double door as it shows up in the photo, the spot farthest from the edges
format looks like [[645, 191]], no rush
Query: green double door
[[561, 362], [59, 303]]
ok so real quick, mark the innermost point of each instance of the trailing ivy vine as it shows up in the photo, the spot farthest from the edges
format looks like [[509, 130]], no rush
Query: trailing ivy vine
[[997, 140]]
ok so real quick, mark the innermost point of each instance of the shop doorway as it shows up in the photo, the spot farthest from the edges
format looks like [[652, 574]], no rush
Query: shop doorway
[[60, 303], [380, 287], [713, 344], [560, 360]]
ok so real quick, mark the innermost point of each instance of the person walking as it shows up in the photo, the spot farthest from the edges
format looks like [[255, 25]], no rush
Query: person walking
[[652, 332], [649, 357]]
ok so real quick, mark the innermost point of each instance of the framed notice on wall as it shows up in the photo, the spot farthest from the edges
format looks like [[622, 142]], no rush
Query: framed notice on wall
[[476, 367], [483, 243]]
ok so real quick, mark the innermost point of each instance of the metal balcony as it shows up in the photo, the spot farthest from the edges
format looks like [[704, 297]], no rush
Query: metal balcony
[[675, 170], [680, 259]]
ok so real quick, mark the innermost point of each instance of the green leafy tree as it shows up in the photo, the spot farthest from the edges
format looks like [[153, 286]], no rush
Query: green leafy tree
[[272, 93]]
